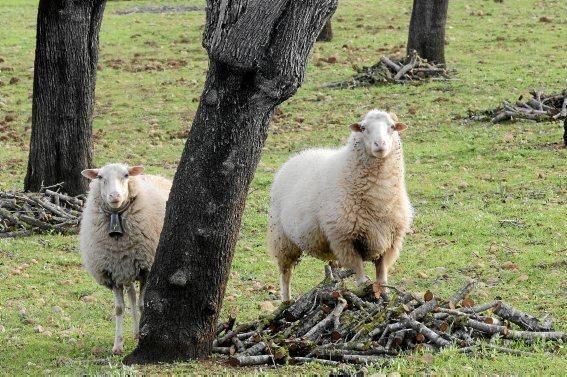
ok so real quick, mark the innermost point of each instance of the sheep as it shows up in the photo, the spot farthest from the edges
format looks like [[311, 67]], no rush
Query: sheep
[[119, 234], [348, 205]]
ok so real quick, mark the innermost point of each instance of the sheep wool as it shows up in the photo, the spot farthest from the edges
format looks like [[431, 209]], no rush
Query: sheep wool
[[348, 204], [118, 259], [121, 260]]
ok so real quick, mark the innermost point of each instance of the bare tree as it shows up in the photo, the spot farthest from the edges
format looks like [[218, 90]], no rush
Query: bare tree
[[326, 34], [66, 57], [427, 29], [257, 58]]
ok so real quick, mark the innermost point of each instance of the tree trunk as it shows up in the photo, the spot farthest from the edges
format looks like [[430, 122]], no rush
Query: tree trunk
[[257, 59], [427, 29], [326, 34], [63, 93]]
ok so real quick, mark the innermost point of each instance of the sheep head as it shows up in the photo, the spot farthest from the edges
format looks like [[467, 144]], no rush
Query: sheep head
[[378, 131], [112, 181]]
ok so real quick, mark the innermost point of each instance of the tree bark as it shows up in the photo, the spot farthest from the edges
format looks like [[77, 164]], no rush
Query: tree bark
[[257, 59], [326, 34], [427, 29], [63, 93]]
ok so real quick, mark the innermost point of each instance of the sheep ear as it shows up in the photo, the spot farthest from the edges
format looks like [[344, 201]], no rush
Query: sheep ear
[[400, 127], [135, 170], [356, 127], [90, 173], [393, 116]]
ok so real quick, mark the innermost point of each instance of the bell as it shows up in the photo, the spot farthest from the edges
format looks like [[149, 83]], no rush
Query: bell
[[115, 228]]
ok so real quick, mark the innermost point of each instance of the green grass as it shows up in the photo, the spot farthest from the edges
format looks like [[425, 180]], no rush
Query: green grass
[[462, 177]]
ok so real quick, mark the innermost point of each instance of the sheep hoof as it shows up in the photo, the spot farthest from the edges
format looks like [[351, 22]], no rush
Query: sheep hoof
[[117, 350], [137, 336], [365, 280]]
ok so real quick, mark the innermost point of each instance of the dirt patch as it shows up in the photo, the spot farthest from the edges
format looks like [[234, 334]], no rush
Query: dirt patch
[[553, 146], [559, 264], [99, 136], [7, 134], [12, 166], [162, 9], [179, 134], [137, 64]]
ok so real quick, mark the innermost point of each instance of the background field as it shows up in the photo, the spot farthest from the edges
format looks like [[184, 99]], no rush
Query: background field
[[463, 178]]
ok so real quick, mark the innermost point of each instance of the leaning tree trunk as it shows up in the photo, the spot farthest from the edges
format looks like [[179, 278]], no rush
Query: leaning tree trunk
[[427, 29], [257, 59], [63, 93], [326, 34]]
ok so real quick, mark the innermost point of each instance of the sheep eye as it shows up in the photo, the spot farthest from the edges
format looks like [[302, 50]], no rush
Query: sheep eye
[[362, 128], [126, 175], [99, 177]]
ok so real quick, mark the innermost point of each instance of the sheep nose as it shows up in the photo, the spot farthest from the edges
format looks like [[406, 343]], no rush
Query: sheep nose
[[380, 145], [114, 196]]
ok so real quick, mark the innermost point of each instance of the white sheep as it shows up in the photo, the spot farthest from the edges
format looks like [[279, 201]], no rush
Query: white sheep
[[348, 204], [120, 230]]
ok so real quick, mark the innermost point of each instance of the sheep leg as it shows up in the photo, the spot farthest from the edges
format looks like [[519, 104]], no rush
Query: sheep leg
[[381, 270], [286, 253], [387, 259], [285, 265], [118, 347], [285, 284], [135, 318], [348, 257]]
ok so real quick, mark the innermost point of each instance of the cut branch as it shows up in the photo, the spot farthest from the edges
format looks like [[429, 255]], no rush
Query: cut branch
[[524, 320], [331, 318]]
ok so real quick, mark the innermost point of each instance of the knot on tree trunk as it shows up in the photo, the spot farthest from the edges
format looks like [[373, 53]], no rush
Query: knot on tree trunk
[[277, 88], [144, 330], [178, 278], [211, 97], [154, 302]]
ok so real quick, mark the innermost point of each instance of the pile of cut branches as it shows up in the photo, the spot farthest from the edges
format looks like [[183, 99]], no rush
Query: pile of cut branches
[[540, 107], [331, 325], [409, 69], [25, 213]]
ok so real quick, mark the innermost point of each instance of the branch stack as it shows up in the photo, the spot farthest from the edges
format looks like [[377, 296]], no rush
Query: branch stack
[[409, 69], [332, 325], [540, 107], [25, 213]]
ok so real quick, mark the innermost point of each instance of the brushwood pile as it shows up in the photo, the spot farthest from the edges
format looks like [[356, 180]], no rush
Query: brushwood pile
[[333, 325], [48, 211], [410, 69]]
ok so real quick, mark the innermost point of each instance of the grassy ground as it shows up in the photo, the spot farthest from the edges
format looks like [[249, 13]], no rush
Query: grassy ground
[[462, 177]]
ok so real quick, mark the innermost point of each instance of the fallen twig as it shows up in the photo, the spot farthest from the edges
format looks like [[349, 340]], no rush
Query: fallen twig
[[524, 320]]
